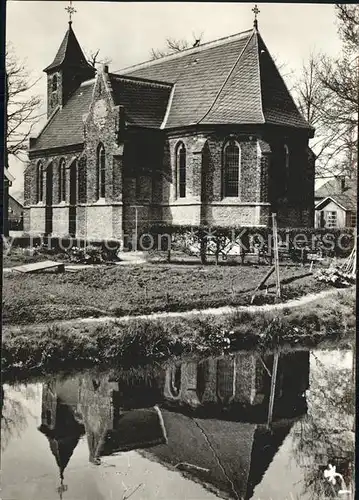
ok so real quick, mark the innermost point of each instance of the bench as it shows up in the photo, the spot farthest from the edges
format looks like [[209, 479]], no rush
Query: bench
[[40, 266]]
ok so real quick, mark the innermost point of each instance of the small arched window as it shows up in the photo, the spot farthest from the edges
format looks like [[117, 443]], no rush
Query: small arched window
[[54, 83], [101, 172], [62, 180], [231, 169], [181, 170], [39, 182]]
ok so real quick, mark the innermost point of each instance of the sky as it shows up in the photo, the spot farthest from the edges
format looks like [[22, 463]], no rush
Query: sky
[[125, 32]]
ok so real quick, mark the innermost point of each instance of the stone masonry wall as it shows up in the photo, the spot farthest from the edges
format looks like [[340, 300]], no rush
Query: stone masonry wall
[[99, 221], [102, 126], [294, 206], [204, 201], [30, 189], [60, 223], [37, 220]]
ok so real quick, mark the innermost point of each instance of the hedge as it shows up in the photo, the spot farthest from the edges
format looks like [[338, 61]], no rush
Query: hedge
[[327, 241]]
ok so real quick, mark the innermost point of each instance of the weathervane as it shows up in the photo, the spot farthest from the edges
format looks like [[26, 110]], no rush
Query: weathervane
[[62, 488], [70, 10], [256, 11]]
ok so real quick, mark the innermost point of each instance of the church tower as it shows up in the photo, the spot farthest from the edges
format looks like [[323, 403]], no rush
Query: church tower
[[67, 71]]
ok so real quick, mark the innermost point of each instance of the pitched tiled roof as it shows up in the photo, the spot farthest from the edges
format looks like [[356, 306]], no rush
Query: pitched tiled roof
[[232, 80], [15, 202], [145, 102], [66, 126], [8, 176], [237, 454], [278, 105], [346, 197], [69, 53]]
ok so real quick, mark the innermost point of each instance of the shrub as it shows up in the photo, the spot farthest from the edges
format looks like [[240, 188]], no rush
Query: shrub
[[335, 277], [219, 239]]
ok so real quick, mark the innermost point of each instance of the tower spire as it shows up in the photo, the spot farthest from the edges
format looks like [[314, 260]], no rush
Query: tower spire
[[70, 10], [256, 11]]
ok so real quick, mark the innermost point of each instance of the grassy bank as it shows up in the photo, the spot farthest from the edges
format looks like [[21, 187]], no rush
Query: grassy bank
[[133, 290], [28, 351]]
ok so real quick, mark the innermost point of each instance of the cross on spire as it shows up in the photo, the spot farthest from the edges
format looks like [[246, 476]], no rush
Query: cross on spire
[[70, 10], [256, 11], [63, 487]]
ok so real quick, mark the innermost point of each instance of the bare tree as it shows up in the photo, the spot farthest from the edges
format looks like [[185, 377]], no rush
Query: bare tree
[[93, 58], [348, 24], [173, 46], [327, 94], [22, 107]]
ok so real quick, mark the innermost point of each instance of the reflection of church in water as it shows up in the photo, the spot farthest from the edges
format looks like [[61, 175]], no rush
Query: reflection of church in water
[[210, 419]]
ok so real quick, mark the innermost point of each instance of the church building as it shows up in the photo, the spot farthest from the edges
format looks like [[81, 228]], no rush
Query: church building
[[209, 135]]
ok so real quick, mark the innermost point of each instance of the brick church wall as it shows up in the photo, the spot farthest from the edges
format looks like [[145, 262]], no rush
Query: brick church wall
[[205, 203], [295, 208], [81, 221], [141, 171], [99, 221], [60, 221], [37, 220]]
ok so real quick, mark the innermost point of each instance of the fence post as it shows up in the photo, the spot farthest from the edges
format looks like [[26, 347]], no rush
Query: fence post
[[276, 254], [136, 228], [272, 388], [203, 246]]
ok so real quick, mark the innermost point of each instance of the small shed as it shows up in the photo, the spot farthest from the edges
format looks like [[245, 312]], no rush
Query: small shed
[[336, 203]]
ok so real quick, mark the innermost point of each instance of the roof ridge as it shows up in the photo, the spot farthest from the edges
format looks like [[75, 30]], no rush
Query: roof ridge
[[48, 121], [193, 50], [87, 82], [259, 79], [227, 78], [330, 197], [147, 81], [168, 108], [285, 85]]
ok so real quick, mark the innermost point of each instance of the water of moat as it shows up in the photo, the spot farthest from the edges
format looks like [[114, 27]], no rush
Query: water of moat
[[220, 427]]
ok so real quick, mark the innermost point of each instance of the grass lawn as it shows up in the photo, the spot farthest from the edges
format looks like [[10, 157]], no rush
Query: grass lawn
[[20, 257], [29, 351], [117, 291]]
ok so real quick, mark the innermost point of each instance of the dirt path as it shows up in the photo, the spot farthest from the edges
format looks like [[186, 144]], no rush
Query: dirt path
[[185, 314]]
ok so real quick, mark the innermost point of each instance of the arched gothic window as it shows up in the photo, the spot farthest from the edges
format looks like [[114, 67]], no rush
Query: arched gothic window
[[39, 182], [175, 380], [286, 157], [231, 169], [54, 83], [285, 170], [101, 172], [62, 180], [181, 170], [82, 180]]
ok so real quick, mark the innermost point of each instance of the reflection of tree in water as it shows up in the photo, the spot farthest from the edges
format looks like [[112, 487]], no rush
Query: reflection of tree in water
[[14, 413], [326, 434]]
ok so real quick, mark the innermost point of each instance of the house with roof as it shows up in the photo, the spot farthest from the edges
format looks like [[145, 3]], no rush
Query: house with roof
[[336, 203], [8, 180], [209, 135], [15, 214]]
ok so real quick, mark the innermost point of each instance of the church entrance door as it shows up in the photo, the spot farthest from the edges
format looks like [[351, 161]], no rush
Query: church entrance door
[[73, 199], [48, 207]]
